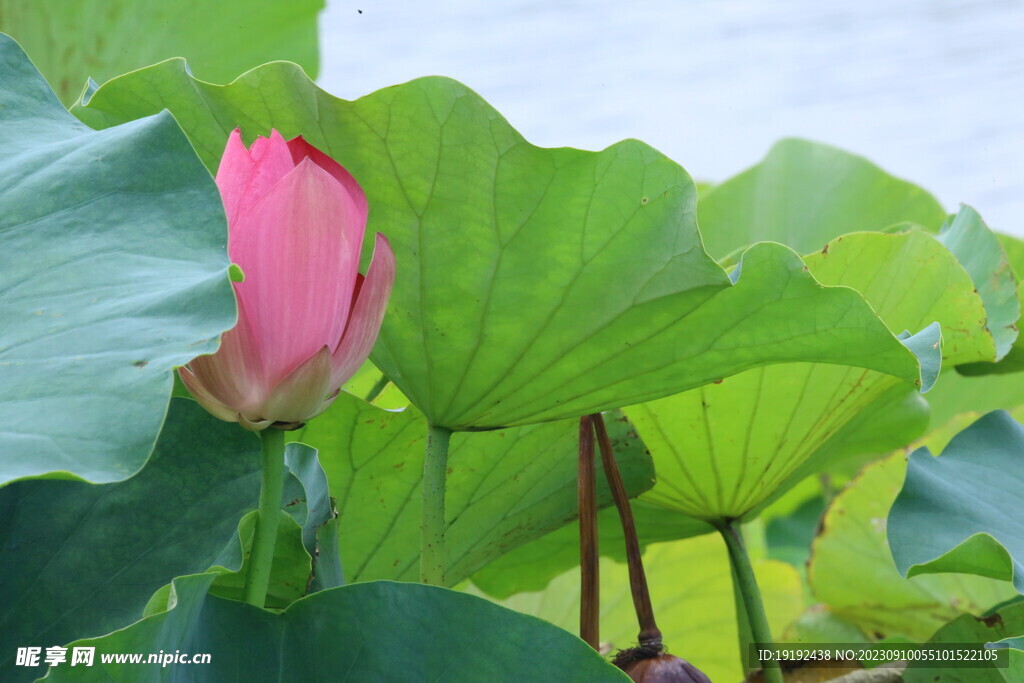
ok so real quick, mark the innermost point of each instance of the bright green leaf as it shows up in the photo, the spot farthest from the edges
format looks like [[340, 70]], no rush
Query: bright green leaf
[[112, 271], [533, 284], [726, 449], [504, 487], [71, 42], [804, 194], [955, 394]]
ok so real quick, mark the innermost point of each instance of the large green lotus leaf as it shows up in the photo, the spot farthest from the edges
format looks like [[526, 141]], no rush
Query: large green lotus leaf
[[504, 487], [960, 512], [902, 415], [852, 572], [1005, 624], [725, 449], [379, 631], [805, 194], [691, 589], [71, 42], [533, 284], [895, 419], [81, 559], [112, 271]]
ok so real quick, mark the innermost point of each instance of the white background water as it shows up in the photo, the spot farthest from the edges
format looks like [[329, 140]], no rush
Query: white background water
[[931, 90]]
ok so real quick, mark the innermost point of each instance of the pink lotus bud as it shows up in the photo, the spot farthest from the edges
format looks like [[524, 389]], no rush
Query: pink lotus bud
[[306, 318]]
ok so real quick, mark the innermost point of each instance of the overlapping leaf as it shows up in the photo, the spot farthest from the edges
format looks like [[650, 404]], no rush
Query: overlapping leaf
[[100, 39], [379, 631], [533, 284], [112, 271], [725, 449], [81, 559], [805, 194], [960, 512], [852, 571], [306, 557], [504, 487]]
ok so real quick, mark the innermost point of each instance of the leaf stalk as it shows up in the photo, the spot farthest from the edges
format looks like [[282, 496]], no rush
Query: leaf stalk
[[432, 526], [746, 585]]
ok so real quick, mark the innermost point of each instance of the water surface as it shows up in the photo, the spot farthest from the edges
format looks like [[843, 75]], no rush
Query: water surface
[[932, 90]]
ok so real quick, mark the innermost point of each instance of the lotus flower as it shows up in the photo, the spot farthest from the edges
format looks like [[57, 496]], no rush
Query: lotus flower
[[306, 318]]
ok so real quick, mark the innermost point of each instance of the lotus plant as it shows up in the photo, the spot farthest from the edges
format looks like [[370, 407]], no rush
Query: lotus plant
[[306, 318]]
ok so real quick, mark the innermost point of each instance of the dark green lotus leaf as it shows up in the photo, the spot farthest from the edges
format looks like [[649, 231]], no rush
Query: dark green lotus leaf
[[960, 512], [81, 559], [313, 509], [377, 631], [100, 39], [727, 449], [112, 271], [852, 572], [504, 488], [805, 194], [533, 284], [1004, 625]]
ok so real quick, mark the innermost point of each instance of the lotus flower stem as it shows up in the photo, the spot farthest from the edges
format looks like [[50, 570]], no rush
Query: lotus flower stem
[[432, 527], [746, 584], [650, 634], [267, 517], [590, 599]]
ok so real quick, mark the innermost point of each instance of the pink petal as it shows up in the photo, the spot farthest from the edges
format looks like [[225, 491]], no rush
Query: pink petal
[[301, 149], [234, 375], [300, 256], [205, 398], [246, 175], [299, 395], [371, 302], [253, 425]]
